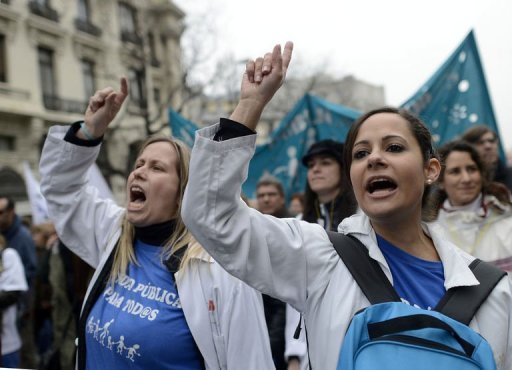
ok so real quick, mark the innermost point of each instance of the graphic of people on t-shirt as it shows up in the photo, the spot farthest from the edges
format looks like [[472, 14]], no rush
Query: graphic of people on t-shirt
[[132, 351], [100, 333], [105, 332], [120, 345]]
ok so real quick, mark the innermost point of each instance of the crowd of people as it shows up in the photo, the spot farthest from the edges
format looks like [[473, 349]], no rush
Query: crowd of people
[[188, 275]]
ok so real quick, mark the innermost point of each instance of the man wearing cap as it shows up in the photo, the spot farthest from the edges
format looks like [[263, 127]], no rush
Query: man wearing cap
[[328, 198]]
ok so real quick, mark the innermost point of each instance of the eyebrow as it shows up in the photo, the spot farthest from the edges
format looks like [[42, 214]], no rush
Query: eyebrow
[[385, 138]]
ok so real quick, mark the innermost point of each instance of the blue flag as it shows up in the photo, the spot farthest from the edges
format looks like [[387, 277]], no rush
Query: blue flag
[[311, 119], [181, 128], [456, 97]]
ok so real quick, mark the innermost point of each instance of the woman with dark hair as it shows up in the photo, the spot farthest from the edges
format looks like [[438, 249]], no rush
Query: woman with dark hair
[[328, 198], [157, 300], [391, 165], [475, 214]]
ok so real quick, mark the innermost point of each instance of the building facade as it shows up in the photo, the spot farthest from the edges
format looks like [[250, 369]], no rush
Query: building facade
[[55, 53]]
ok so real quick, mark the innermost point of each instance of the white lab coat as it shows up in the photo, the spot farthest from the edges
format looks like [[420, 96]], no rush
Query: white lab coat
[[295, 262], [230, 332]]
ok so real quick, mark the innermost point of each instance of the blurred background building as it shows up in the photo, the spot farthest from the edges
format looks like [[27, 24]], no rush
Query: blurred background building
[[55, 53]]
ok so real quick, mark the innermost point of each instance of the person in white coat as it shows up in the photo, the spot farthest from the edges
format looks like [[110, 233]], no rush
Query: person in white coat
[[157, 300], [474, 214], [390, 162], [12, 284]]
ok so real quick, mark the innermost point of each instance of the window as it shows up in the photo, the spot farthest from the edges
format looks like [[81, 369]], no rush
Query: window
[[137, 87], [7, 143], [12, 184], [156, 96], [3, 57], [88, 76], [152, 50], [43, 8], [83, 10], [83, 20], [127, 18], [47, 76]]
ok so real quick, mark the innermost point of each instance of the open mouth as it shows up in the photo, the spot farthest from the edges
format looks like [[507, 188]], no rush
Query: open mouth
[[137, 195], [380, 184]]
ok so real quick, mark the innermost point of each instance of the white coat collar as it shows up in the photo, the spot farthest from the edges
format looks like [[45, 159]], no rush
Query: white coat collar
[[455, 261]]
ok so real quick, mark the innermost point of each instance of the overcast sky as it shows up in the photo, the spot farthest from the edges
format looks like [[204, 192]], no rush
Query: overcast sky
[[394, 43]]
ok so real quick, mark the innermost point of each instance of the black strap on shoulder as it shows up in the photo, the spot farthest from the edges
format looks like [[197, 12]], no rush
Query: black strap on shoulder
[[364, 269], [462, 303]]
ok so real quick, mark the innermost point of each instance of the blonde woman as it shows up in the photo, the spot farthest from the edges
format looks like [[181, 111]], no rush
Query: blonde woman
[[156, 300]]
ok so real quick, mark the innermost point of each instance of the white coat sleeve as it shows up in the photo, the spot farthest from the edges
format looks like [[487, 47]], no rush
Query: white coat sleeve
[[83, 220], [12, 277], [284, 258], [295, 347]]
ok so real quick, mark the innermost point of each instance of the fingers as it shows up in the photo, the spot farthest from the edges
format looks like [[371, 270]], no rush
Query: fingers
[[258, 75], [277, 60], [124, 86], [256, 70], [267, 64], [287, 55], [249, 70], [98, 99], [121, 96]]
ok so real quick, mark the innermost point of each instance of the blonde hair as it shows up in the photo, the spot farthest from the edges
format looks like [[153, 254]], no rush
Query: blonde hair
[[179, 239]]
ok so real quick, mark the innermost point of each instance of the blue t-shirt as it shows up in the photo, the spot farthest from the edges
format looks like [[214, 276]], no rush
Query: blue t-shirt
[[418, 282], [138, 323]]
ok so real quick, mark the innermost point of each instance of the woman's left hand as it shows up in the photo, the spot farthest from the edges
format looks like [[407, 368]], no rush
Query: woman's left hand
[[262, 78]]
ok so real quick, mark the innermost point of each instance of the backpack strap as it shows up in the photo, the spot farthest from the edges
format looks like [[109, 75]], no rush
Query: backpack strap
[[365, 270], [463, 302], [460, 303]]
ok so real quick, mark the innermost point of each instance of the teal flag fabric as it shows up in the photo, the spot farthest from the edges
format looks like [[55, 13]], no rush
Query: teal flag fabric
[[311, 119], [451, 101], [456, 97], [182, 128]]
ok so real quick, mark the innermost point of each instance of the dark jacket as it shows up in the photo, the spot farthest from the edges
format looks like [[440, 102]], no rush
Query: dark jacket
[[503, 174], [275, 316], [18, 237], [344, 205]]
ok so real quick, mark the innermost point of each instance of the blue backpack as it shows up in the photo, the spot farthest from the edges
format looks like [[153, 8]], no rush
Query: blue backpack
[[391, 335]]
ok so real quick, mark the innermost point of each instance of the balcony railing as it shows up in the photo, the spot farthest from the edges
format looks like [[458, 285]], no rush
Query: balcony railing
[[52, 102], [129, 36], [155, 62], [87, 27], [43, 10]]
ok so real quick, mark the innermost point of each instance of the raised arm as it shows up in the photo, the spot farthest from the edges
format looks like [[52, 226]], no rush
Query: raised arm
[[283, 258], [83, 220], [102, 108], [262, 78]]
